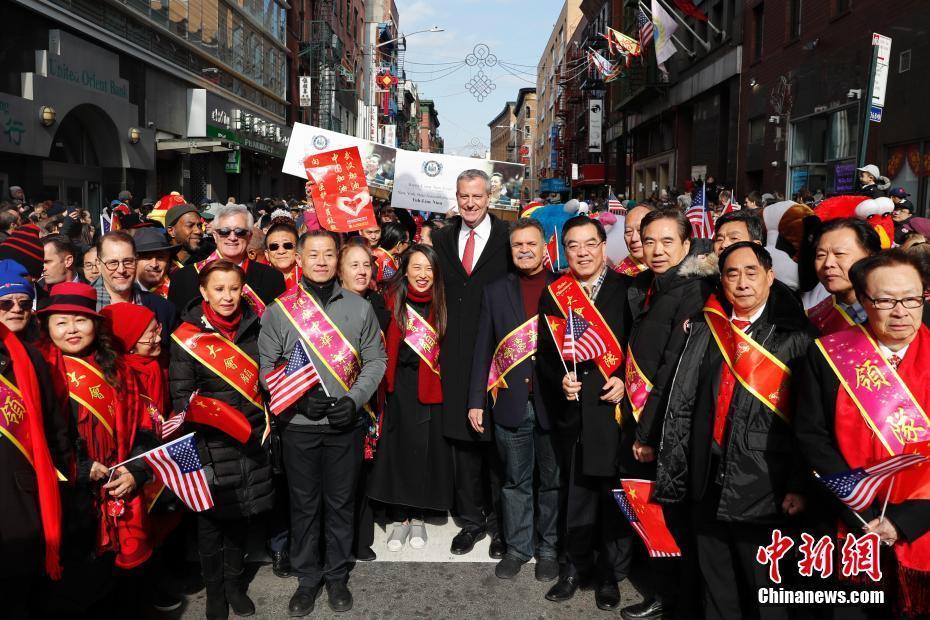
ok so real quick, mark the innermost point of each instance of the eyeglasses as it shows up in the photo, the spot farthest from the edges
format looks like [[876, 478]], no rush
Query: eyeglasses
[[887, 303], [89, 266], [287, 245], [225, 232], [23, 304], [575, 247], [113, 265]]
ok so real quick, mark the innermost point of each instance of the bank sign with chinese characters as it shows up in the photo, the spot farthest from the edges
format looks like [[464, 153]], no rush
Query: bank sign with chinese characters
[[244, 127]]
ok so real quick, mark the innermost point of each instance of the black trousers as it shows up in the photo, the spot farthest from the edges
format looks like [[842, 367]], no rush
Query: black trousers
[[322, 474], [598, 540], [215, 535], [478, 480], [727, 559], [364, 512]]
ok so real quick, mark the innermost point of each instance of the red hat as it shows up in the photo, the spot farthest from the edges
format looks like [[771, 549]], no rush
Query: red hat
[[71, 297], [24, 247], [128, 322]]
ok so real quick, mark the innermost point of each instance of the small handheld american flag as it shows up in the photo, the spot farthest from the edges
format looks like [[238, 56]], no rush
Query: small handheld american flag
[[614, 205], [857, 487], [581, 342], [701, 225], [172, 424], [646, 518], [288, 382], [178, 466]]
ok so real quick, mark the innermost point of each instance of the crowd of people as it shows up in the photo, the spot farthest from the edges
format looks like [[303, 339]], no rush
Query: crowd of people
[[456, 374]]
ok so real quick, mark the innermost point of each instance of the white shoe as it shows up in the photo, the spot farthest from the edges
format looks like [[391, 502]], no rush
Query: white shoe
[[417, 534], [398, 537]]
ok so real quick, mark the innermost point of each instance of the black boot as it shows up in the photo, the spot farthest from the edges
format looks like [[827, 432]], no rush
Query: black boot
[[233, 560], [212, 568]]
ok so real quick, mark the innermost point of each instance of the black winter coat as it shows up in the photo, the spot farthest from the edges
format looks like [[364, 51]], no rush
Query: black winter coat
[[22, 547], [239, 475], [592, 420], [267, 282], [463, 301], [760, 461]]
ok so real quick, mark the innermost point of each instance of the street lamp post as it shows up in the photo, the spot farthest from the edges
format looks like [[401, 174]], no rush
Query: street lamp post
[[529, 136]]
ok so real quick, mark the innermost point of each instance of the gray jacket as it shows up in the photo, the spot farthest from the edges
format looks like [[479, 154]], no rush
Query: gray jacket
[[356, 319]]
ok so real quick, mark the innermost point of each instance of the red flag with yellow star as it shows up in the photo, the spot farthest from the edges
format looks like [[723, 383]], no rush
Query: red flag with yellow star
[[646, 517]]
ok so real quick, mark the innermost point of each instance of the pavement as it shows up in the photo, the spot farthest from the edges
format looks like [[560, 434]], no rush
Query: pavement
[[428, 583]]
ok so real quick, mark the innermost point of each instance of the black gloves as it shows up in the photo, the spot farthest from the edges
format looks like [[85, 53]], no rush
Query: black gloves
[[343, 413], [317, 405]]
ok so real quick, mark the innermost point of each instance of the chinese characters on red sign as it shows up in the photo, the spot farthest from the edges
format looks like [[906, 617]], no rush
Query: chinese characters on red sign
[[339, 190]]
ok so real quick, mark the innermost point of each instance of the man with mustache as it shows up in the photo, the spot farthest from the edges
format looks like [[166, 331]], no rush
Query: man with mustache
[[185, 229], [522, 428], [154, 260]]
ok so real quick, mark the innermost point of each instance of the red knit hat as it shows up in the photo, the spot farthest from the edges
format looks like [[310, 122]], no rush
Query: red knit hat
[[128, 322], [24, 247]]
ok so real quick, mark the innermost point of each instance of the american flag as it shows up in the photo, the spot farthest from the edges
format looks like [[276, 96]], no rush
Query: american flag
[[581, 342], [646, 29], [290, 381], [857, 487], [614, 205], [172, 424], [178, 466], [697, 214], [646, 518]]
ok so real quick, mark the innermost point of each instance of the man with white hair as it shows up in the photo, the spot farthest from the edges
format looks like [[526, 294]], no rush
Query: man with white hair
[[232, 230]]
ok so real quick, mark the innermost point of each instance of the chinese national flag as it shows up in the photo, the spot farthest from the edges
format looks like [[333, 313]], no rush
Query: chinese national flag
[[216, 413], [551, 257], [913, 482], [646, 517], [340, 191], [687, 7]]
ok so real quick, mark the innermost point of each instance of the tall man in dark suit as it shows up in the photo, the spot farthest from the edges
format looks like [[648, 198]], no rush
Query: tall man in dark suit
[[585, 420], [473, 252], [506, 348]]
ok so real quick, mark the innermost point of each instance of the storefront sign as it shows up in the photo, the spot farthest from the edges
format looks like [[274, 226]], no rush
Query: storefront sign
[[233, 162], [227, 121], [556, 184], [798, 179], [88, 66], [844, 178], [595, 124], [304, 90]]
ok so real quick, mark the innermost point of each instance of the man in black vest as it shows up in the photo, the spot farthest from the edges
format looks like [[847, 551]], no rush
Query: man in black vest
[[473, 252], [506, 327]]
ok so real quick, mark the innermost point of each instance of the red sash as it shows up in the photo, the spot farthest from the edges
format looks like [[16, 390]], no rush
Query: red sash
[[257, 304], [510, 353], [636, 384], [629, 266], [761, 373], [828, 317], [223, 357], [423, 339], [338, 355], [162, 288], [88, 387], [13, 423], [568, 293]]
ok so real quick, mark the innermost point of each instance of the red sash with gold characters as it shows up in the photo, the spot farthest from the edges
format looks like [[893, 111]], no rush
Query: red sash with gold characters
[[257, 304], [636, 384], [567, 293], [161, 288], [828, 317], [88, 387], [515, 347], [387, 266], [13, 423], [885, 402], [629, 266], [422, 338], [223, 357], [761, 373], [332, 348]]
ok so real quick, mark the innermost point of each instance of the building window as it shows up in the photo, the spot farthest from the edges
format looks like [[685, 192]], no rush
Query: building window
[[904, 61], [842, 6], [757, 130], [794, 20], [758, 16]]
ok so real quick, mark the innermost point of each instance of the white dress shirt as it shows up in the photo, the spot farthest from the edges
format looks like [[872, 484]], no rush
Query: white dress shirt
[[482, 233], [887, 353], [751, 319]]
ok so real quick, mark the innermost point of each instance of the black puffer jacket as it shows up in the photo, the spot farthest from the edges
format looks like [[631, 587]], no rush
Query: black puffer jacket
[[239, 475], [760, 462]]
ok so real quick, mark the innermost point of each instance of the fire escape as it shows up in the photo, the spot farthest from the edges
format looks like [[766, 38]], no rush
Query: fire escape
[[323, 51], [568, 104]]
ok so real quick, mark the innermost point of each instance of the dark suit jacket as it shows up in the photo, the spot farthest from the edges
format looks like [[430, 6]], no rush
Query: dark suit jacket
[[502, 311], [463, 301], [267, 282], [592, 420]]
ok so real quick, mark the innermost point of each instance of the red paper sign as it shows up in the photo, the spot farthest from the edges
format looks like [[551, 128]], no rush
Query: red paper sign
[[339, 190]]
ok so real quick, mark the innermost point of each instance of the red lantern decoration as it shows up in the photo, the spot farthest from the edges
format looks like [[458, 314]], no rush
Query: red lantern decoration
[[386, 81]]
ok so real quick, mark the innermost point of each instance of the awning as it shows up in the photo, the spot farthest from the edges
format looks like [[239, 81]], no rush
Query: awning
[[194, 146], [590, 174]]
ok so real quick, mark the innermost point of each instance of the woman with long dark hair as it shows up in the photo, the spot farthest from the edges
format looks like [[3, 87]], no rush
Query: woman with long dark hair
[[214, 353], [395, 239], [413, 467]]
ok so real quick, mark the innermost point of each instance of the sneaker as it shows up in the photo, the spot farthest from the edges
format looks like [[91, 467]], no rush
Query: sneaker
[[398, 537], [417, 534]]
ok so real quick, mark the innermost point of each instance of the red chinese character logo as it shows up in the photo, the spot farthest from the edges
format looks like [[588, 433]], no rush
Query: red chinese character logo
[[817, 556], [773, 553], [860, 555]]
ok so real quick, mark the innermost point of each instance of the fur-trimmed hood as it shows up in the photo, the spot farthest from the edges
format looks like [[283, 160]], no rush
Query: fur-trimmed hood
[[703, 265]]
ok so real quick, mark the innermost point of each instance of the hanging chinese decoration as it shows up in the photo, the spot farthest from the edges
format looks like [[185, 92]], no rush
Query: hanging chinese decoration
[[386, 81]]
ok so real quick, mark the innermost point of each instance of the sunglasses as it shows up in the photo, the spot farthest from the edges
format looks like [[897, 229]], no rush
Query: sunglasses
[[225, 232], [23, 304], [287, 245]]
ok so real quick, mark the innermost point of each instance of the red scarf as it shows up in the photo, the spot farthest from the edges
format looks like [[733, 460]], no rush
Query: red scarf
[[860, 447], [429, 387], [49, 496], [227, 326], [150, 373]]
